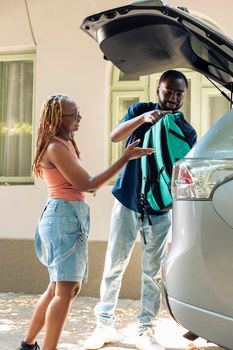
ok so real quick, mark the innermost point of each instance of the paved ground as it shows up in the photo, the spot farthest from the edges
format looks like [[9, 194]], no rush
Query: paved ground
[[16, 310]]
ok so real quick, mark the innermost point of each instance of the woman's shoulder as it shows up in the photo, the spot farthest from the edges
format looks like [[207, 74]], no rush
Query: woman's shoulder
[[57, 140], [57, 146]]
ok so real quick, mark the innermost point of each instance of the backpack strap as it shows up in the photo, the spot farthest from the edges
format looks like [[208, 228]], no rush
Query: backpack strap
[[177, 145], [152, 139], [146, 144]]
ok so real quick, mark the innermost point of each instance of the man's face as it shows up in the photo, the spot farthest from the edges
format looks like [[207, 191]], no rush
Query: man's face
[[171, 94]]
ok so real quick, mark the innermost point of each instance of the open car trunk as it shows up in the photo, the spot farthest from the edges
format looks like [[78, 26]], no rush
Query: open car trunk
[[149, 37]]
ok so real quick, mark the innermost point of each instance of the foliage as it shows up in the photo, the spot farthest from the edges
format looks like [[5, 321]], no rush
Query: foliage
[[16, 128]]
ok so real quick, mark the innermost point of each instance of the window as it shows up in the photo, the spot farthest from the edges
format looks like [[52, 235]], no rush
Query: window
[[203, 103], [16, 111], [213, 107], [125, 91]]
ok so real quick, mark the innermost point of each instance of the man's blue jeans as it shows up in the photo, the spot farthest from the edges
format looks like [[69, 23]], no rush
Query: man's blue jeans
[[125, 225]]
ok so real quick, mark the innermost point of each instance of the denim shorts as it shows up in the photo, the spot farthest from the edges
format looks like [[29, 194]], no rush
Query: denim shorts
[[62, 240]]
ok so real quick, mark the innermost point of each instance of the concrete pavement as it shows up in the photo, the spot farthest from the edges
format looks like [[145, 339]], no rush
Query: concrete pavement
[[16, 310]]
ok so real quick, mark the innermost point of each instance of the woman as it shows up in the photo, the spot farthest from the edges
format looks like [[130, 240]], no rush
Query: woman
[[64, 224]]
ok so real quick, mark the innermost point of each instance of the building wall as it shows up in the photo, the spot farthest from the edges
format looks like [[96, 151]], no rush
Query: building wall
[[68, 61]]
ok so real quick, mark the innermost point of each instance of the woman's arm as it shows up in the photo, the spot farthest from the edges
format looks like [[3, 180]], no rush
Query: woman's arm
[[59, 156]]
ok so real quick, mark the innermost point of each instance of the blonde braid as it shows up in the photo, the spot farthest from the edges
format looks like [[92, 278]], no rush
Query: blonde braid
[[50, 121]]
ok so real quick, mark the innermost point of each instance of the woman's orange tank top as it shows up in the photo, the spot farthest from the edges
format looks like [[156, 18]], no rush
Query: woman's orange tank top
[[58, 186]]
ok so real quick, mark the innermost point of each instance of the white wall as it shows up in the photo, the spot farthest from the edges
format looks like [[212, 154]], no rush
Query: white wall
[[67, 60]]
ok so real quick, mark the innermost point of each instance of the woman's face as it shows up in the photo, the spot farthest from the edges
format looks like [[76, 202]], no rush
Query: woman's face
[[70, 116]]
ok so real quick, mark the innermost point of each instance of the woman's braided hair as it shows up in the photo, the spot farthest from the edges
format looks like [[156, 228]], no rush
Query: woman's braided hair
[[50, 122]]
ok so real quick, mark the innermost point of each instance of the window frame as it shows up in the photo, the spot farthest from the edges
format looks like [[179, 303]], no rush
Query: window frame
[[115, 150], [22, 180], [208, 92], [127, 85]]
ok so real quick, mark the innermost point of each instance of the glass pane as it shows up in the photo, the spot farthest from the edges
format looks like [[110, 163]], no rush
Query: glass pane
[[125, 104], [128, 77], [218, 107], [211, 55], [186, 104], [16, 86]]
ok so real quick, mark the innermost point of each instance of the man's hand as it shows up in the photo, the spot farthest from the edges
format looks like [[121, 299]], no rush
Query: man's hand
[[153, 116]]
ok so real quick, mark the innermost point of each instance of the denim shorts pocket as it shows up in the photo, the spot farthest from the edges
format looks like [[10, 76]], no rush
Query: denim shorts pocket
[[45, 231], [70, 225]]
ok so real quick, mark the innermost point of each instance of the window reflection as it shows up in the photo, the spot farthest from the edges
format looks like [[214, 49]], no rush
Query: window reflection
[[218, 106], [125, 104], [185, 109]]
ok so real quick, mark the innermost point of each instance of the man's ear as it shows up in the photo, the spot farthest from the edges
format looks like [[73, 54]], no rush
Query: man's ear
[[157, 91]]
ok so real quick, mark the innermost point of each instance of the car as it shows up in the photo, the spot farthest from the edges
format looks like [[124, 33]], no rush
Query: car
[[150, 37]]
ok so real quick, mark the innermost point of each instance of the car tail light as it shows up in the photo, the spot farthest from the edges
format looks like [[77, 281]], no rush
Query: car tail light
[[196, 178]]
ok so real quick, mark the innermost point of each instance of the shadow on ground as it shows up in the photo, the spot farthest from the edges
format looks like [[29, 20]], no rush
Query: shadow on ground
[[16, 311]]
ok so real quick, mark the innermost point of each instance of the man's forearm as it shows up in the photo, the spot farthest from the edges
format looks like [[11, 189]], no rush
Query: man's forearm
[[122, 131]]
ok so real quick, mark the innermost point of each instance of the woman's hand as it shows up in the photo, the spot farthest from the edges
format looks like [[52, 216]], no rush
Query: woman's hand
[[133, 152]]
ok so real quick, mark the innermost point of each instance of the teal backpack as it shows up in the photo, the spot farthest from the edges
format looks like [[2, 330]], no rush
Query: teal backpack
[[170, 143]]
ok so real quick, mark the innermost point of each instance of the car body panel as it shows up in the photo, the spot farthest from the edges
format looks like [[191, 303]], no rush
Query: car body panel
[[223, 202], [214, 327], [198, 270], [200, 281]]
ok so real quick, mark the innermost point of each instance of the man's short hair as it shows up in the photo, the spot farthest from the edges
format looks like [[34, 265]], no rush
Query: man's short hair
[[173, 74]]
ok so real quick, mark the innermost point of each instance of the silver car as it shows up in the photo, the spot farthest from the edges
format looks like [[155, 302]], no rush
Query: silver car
[[149, 37]]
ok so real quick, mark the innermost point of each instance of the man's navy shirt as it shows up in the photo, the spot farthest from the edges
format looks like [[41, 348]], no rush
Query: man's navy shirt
[[127, 188]]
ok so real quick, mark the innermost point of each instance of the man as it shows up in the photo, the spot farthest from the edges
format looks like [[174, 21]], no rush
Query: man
[[127, 221]]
